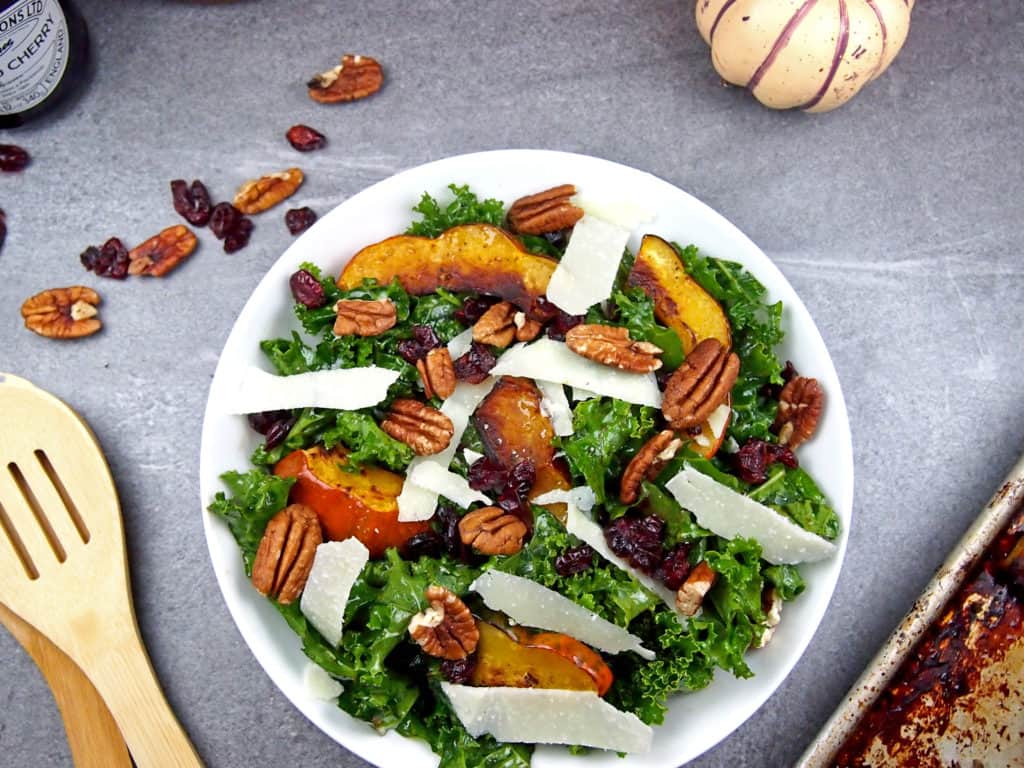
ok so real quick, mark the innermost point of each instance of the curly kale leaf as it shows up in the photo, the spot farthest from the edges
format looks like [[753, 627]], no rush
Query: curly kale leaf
[[794, 493], [634, 309], [255, 498], [464, 208], [366, 441]]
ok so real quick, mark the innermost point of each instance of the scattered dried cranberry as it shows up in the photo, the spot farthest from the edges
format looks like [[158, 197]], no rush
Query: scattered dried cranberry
[[273, 425], [774, 391], [521, 477], [423, 340], [307, 289], [223, 219], [238, 237], [486, 475], [675, 567], [277, 433], [473, 308], [574, 560], [754, 458], [109, 260], [638, 540], [459, 670], [192, 203], [305, 139], [426, 544], [561, 325], [298, 220], [12, 158], [543, 311], [448, 524], [475, 364]]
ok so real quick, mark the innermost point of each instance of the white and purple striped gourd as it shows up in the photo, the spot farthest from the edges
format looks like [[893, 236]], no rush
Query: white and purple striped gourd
[[813, 55]]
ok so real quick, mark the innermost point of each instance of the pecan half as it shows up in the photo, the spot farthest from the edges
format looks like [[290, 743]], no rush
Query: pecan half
[[610, 345], [447, 629], [355, 78], [497, 325], [800, 405], [527, 329], [547, 211], [492, 531], [358, 317], [437, 372], [163, 252], [285, 555], [697, 584], [647, 463], [267, 191], [424, 429], [699, 385], [62, 313]]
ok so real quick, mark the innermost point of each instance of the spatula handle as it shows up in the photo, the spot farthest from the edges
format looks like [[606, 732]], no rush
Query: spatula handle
[[124, 677]]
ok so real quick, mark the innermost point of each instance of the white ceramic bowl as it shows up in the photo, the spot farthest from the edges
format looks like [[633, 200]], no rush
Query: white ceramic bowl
[[696, 721]]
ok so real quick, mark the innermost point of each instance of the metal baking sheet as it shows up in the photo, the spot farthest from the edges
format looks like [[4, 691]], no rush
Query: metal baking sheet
[[986, 728]]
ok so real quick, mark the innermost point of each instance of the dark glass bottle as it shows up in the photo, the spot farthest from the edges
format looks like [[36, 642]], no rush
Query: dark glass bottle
[[44, 55]]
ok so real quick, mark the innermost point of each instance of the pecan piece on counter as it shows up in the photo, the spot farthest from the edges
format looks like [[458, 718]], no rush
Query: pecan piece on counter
[[697, 584], [355, 78], [492, 531], [446, 629], [359, 317], [544, 212], [700, 384], [527, 329], [438, 373], [163, 252], [647, 463], [772, 604], [62, 313], [267, 191], [285, 555], [424, 429], [800, 405], [610, 345], [497, 325]]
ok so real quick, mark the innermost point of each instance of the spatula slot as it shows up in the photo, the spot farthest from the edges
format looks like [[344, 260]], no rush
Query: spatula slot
[[37, 510], [69, 504], [18, 545]]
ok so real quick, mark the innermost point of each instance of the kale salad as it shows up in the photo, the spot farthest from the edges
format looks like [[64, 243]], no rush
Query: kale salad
[[538, 484]]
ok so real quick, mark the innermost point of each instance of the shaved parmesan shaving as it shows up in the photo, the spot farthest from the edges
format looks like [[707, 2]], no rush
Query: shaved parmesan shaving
[[730, 515], [555, 405], [318, 684], [534, 605], [589, 532], [586, 272], [345, 389], [550, 360], [582, 496], [415, 503], [434, 478], [546, 716], [623, 211], [336, 566], [471, 456], [718, 419], [459, 346], [578, 393]]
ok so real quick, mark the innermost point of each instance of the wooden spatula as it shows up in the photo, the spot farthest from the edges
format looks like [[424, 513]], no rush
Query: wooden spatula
[[93, 737], [63, 566]]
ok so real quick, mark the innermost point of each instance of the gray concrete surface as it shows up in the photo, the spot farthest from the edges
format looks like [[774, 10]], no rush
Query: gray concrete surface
[[897, 218]]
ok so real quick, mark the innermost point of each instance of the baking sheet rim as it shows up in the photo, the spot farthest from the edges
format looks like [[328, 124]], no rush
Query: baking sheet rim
[[926, 609]]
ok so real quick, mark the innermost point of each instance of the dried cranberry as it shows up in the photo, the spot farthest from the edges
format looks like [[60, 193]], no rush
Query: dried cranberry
[[264, 421], [473, 308], [410, 350], [307, 289], [459, 670], [561, 325], [638, 540], [238, 237], [543, 311], [109, 260], [774, 391], [675, 567], [475, 364], [192, 203], [753, 459], [486, 475], [277, 433], [448, 525], [521, 477], [423, 340], [223, 219], [298, 220], [574, 560], [12, 158], [305, 139], [426, 544]]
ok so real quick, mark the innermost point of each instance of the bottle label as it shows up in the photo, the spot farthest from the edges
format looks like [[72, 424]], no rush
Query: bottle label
[[33, 53]]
